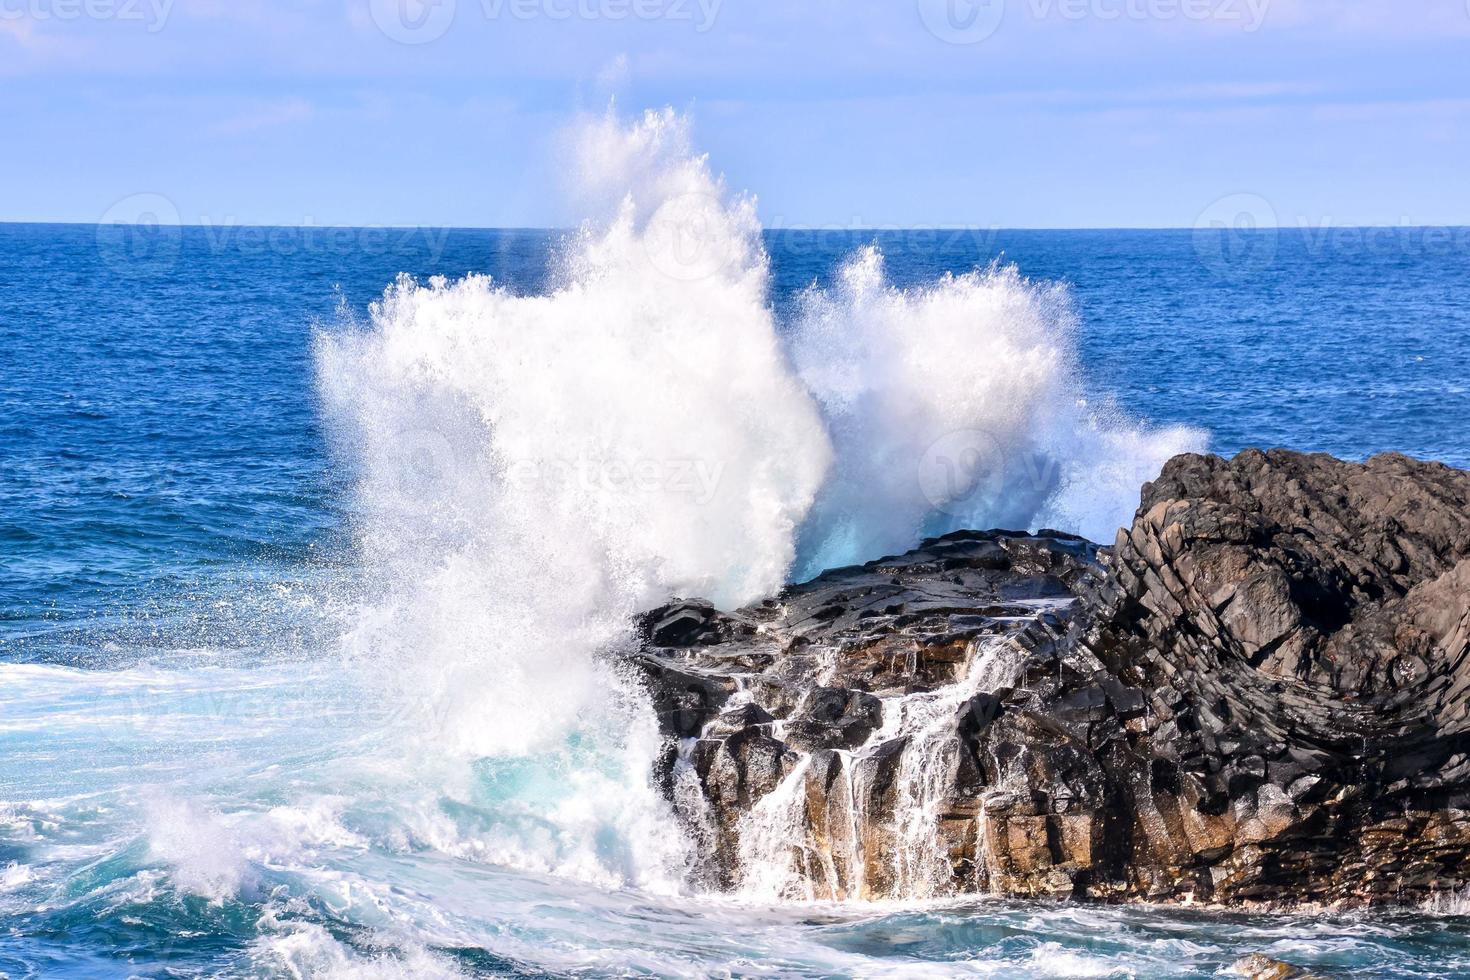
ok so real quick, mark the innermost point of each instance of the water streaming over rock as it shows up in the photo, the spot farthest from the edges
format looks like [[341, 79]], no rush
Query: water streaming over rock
[[825, 732], [188, 753], [817, 836]]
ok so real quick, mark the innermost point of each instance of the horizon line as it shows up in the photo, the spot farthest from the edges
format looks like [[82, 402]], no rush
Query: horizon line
[[764, 228]]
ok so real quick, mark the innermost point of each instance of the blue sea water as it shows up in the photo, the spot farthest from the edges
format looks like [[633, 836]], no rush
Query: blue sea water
[[188, 784]]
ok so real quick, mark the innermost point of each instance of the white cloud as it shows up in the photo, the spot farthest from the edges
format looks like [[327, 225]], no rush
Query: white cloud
[[1404, 19], [266, 116]]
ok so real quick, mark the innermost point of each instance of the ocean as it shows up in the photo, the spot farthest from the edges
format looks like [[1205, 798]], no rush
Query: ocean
[[308, 572]]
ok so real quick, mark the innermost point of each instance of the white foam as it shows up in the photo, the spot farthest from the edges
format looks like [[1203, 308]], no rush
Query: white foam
[[1448, 903], [203, 856], [533, 470], [305, 950], [959, 404], [15, 876]]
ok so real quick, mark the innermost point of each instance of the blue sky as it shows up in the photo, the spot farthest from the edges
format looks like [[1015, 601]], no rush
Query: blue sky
[[860, 113]]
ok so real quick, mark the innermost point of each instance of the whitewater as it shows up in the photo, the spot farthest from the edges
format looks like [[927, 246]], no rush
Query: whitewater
[[426, 758]]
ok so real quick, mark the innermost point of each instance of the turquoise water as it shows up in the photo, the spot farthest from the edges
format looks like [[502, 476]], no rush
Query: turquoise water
[[233, 741]]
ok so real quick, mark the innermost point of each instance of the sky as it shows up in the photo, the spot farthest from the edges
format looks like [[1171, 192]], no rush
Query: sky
[[833, 113]]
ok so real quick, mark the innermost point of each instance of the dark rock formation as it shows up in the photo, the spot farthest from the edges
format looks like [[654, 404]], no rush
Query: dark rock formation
[[1300, 626], [834, 718], [1259, 693], [1259, 966]]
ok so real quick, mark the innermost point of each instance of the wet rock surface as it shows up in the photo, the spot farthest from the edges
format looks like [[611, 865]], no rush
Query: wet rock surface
[[1258, 966], [1258, 693]]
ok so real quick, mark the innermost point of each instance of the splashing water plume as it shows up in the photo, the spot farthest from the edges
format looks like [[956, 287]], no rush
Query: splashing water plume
[[959, 405], [535, 470], [237, 744]]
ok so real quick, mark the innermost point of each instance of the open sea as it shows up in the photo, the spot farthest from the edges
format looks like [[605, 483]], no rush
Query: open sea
[[300, 624]]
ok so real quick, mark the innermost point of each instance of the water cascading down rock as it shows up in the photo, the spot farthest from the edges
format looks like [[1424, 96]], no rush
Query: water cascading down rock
[[1259, 693]]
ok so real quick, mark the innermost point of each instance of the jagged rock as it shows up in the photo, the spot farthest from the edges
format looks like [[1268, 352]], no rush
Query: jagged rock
[[736, 720], [737, 771], [1299, 624], [749, 693], [692, 623], [684, 698], [833, 718], [1260, 693], [1259, 966]]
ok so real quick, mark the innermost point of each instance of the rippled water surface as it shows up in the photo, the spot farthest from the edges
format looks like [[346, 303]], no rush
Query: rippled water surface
[[204, 772]]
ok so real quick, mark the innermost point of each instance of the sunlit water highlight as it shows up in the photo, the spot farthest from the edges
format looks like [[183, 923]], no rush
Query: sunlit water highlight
[[306, 664]]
